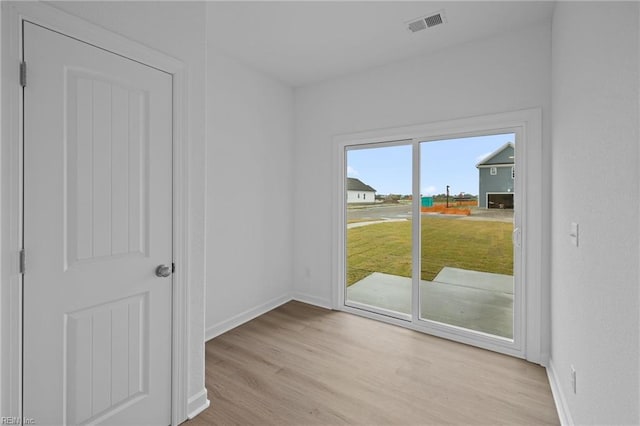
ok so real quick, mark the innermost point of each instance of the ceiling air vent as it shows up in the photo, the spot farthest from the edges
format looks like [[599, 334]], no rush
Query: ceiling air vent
[[425, 22], [433, 20], [418, 25]]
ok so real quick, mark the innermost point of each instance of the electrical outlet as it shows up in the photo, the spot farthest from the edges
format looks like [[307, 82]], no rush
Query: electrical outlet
[[573, 379]]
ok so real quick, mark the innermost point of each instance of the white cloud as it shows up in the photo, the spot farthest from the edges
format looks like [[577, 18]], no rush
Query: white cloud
[[479, 158], [351, 172], [429, 190]]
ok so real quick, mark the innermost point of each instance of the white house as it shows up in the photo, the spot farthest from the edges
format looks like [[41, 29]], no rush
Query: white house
[[359, 192], [258, 96]]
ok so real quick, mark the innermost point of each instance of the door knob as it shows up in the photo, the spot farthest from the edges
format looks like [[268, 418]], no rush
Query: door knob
[[163, 271]]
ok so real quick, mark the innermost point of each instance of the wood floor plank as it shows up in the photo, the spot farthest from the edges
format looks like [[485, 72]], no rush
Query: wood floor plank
[[303, 365]]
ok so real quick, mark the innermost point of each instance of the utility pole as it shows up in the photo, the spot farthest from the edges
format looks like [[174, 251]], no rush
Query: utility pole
[[447, 196]]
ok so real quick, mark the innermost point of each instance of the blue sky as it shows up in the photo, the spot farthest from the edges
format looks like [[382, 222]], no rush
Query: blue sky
[[448, 162]]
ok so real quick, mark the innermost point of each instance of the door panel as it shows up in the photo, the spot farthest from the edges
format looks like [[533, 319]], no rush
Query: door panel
[[467, 278], [105, 351], [97, 222], [378, 231], [106, 207]]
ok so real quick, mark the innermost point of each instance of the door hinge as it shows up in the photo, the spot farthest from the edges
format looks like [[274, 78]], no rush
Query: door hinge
[[173, 268], [23, 74], [22, 262]]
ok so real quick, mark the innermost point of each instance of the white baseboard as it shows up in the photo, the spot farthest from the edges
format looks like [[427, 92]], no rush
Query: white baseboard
[[558, 396], [239, 319], [312, 300], [544, 359], [197, 403]]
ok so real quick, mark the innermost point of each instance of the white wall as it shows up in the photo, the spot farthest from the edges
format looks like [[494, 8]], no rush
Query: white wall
[[595, 306], [249, 189], [503, 73], [177, 29]]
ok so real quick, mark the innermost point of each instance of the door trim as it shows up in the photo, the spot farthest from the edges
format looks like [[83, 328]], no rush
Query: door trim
[[528, 124], [13, 15]]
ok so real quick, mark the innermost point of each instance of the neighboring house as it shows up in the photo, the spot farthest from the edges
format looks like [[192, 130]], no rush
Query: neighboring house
[[359, 192], [496, 176]]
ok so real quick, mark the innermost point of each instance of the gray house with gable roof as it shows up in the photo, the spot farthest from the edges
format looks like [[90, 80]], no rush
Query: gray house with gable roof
[[496, 178]]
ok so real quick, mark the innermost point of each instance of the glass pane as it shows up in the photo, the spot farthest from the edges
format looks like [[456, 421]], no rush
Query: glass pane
[[467, 208], [378, 234]]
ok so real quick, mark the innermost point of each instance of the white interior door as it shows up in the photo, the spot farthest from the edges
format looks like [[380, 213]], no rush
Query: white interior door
[[97, 223]]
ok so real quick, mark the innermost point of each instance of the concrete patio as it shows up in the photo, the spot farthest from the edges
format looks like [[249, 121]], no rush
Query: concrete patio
[[479, 301]]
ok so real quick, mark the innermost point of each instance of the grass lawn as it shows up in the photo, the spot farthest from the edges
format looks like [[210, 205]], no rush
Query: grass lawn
[[386, 247]]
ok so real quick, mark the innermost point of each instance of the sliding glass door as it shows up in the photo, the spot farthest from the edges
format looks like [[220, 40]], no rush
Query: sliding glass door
[[429, 233], [378, 229], [466, 229]]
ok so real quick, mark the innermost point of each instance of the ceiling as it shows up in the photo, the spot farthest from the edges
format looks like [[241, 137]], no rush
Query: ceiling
[[303, 42]]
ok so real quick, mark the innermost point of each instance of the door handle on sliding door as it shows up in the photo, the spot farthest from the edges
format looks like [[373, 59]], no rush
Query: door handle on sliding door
[[516, 237]]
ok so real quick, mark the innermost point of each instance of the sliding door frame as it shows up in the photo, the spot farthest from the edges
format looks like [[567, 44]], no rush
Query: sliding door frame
[[360, 306], [529, 338]]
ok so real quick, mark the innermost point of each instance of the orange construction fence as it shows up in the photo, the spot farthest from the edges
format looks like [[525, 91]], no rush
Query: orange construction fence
[[442, 209], [465, 203]]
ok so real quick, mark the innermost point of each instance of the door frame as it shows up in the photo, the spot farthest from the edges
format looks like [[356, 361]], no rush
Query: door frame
[[530, 325], [11, 225]]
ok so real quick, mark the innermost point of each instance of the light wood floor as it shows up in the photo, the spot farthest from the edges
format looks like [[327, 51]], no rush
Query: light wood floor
[[302, 365]]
